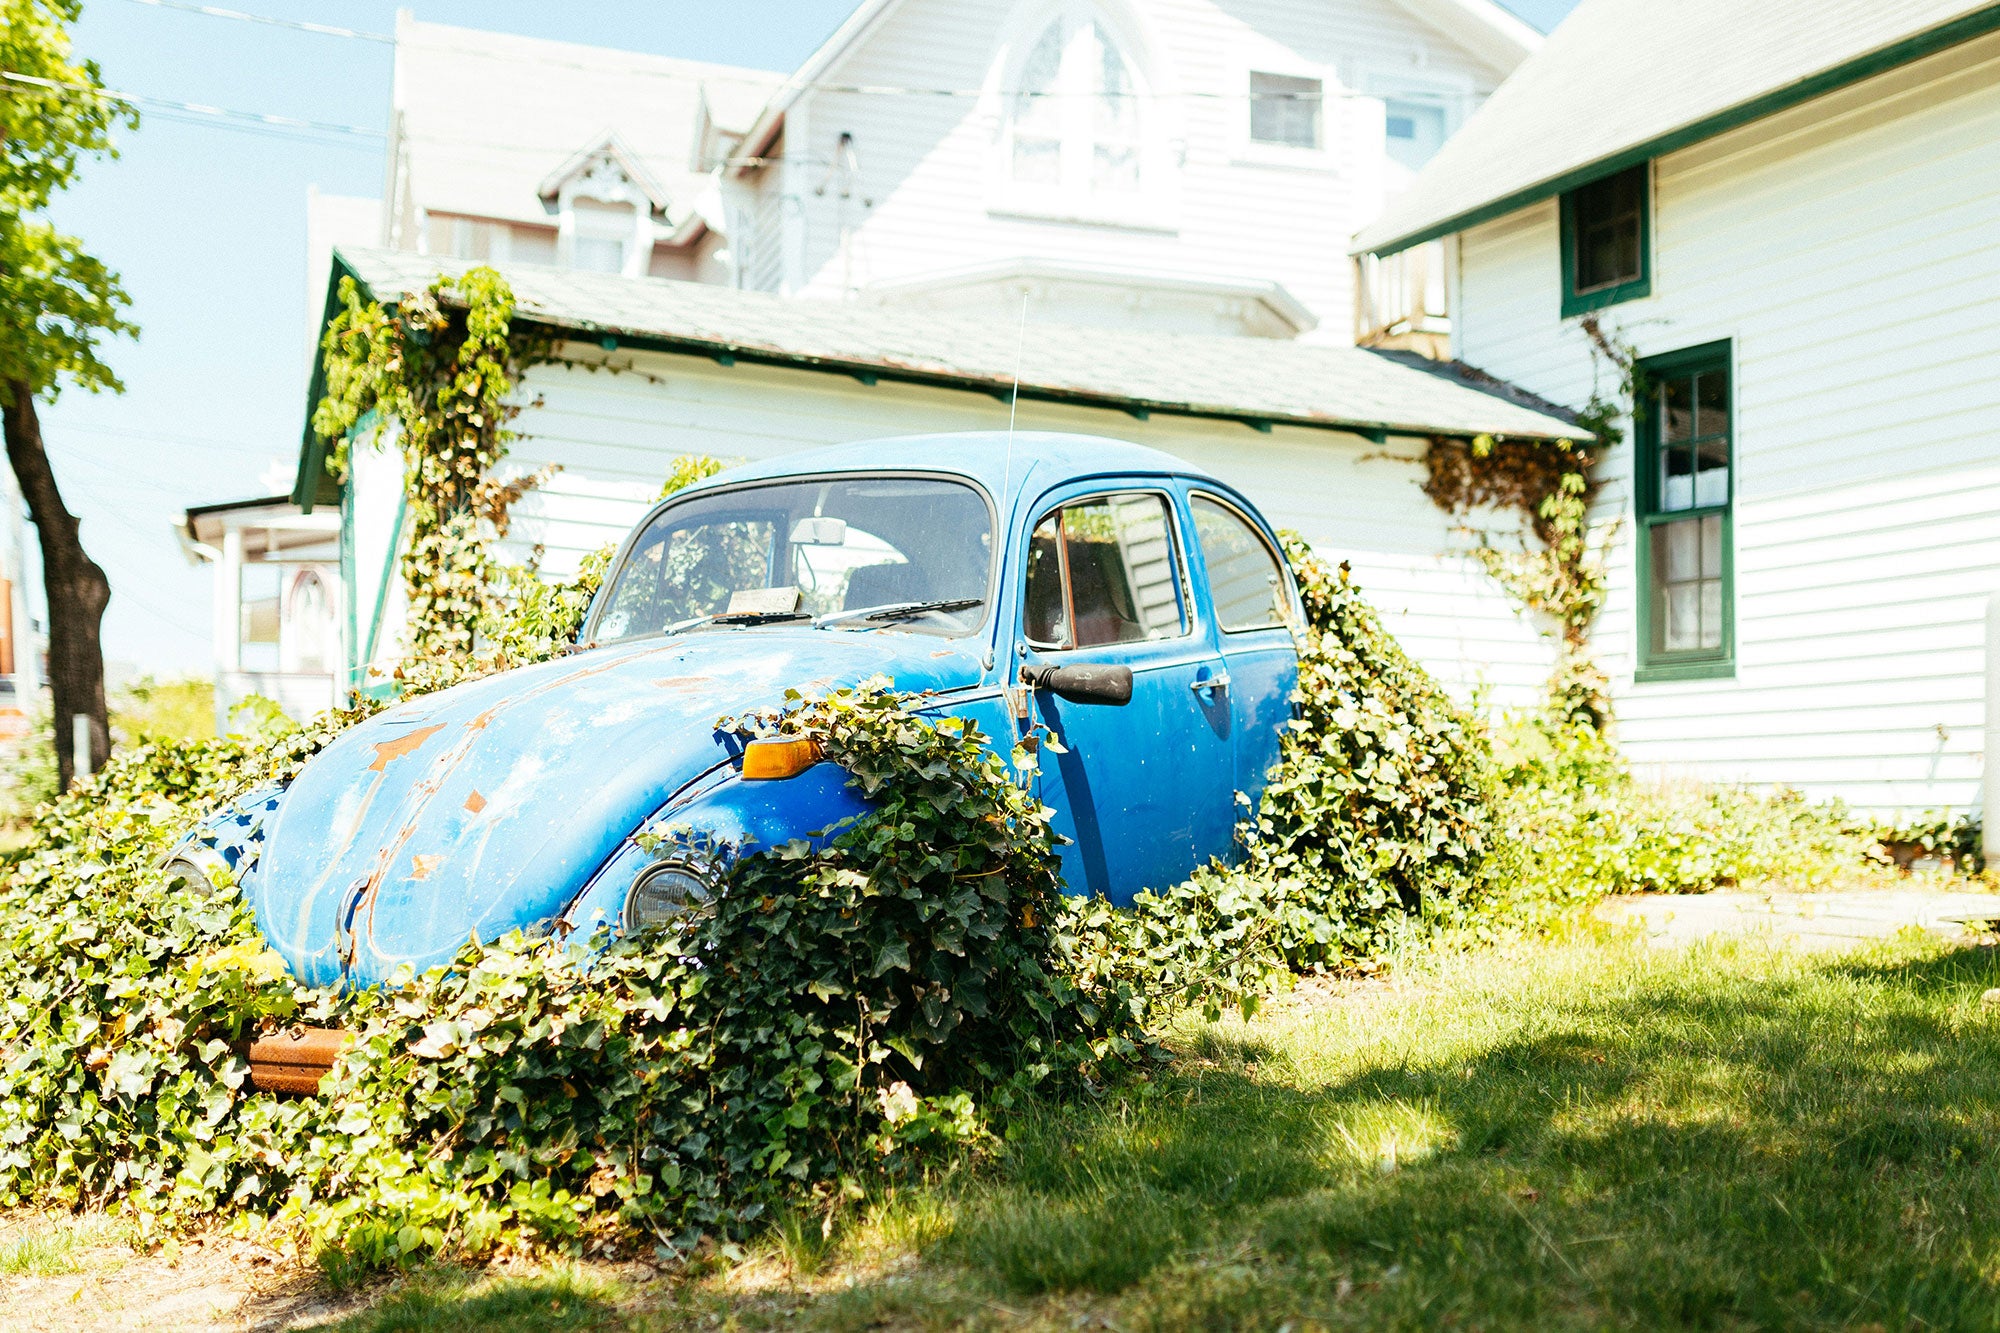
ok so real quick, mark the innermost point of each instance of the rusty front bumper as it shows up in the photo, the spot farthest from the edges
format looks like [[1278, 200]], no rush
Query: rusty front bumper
[[294, 1059]]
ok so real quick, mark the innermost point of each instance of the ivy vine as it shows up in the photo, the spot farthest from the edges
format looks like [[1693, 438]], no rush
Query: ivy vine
[[1558, 570], [441, 366]]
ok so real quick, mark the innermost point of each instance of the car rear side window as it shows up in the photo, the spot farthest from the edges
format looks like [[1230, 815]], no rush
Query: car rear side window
[[1246, 580], [1103, 571]]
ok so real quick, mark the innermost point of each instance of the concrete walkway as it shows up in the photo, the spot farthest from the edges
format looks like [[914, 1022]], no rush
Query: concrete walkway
[[1810, 920]]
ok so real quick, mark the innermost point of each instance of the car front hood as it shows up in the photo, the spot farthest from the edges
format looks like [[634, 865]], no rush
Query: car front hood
[[486, 807]]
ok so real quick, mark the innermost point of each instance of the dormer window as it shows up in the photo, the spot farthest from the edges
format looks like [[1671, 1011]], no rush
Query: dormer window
[[605, 204], [1077, 137], [600, 236]]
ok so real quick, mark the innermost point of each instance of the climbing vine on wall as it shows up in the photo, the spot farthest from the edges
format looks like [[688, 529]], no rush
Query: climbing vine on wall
[[441, 366], [1558, 569]]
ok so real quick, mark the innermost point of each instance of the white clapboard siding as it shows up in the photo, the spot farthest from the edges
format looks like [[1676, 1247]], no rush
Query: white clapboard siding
[[1847, 248], [924, 202], [615, 435]]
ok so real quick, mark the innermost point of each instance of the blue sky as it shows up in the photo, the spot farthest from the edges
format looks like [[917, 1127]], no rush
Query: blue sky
[[207, 225]]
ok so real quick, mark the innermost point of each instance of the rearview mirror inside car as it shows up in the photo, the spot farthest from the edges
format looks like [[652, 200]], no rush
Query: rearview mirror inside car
[[820, 531]]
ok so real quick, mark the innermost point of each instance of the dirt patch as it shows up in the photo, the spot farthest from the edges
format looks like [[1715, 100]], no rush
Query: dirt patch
[[59, 1272]]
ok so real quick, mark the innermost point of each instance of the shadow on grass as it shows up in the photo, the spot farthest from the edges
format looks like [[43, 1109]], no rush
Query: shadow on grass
[[1720, 1143], [453, 1300], [1719, 1140]]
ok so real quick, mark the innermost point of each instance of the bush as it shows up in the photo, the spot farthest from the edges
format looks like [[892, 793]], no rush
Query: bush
[[1575, 824], [1375, 822], [831, 1010]]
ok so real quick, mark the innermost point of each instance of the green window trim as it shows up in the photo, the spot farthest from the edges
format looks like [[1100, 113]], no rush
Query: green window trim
[[1576, 302], [1657, 377]]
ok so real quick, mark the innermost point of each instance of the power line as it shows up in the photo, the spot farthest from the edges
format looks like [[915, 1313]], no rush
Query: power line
[[773, 83], [170, 437], [250, 118], [321, 29]]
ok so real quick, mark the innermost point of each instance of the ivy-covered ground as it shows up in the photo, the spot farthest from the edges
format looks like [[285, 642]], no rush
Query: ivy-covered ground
[[1576, 1133]]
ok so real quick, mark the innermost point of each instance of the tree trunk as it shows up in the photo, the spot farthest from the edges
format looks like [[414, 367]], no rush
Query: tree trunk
[[77, 590]]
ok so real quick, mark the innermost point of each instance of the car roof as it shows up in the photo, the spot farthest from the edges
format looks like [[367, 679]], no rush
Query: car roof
[[1031, 459]]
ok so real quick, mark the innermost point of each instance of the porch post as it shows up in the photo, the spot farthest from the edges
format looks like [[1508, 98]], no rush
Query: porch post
[[228, 624]]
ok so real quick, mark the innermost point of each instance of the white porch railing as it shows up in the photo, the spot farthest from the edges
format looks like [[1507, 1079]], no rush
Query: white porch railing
[[1401, 300]]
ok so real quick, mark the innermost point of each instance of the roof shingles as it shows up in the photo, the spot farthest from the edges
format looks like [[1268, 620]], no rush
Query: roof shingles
[[1254, 379], [1625, 77]]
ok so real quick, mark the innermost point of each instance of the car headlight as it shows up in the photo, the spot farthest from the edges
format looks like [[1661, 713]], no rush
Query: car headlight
[[663, 892], [198, 869]]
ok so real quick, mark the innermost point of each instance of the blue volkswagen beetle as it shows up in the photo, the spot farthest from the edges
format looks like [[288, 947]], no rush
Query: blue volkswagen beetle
[[1137, 608]]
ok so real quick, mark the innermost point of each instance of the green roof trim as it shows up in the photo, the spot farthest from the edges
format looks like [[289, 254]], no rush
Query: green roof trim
[[313, 485], [1832, 79]]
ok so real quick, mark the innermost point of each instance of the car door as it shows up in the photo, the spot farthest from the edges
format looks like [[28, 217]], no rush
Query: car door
[[1143, 789], [1255, 609]]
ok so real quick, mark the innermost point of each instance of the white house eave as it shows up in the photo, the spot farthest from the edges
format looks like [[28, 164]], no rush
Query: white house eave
[[763, 131], [1482, 27], [1272, 295]]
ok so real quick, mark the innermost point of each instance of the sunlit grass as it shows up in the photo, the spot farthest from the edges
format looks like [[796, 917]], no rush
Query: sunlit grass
[[57, 1245], [1585, 1134]]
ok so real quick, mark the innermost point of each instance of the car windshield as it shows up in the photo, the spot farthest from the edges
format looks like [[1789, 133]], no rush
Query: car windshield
[[918, 548]]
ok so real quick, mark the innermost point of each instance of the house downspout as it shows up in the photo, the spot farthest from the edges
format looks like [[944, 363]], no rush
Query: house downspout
[[1989, 806]]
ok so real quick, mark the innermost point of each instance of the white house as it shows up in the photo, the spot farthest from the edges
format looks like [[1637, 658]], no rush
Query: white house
[[278, 602], [1790, 213], [1164, 164], [1326, 438], [1169, 166]]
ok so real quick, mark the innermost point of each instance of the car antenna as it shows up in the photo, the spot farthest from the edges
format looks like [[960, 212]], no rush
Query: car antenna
[[1014, 399], [1007, 461]]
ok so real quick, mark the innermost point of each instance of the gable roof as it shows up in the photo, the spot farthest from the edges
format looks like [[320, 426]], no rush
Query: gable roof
[[1484, 27], [1259, 381], [609, 147], [1623, 81], [448, 79]]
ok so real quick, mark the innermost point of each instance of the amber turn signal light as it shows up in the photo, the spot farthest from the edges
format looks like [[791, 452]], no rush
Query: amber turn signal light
[[779, 759]]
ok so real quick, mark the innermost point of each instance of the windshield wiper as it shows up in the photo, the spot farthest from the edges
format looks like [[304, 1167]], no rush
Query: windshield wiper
[[925, 608], [739, 618], [905, 610]]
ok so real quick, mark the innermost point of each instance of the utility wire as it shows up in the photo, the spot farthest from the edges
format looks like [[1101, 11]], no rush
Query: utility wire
[[250, 118], [322, 29], [774, 82]]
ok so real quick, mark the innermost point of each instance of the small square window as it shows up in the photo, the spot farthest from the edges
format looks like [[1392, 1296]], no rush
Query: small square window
[[1606, 241], [1285, 109]]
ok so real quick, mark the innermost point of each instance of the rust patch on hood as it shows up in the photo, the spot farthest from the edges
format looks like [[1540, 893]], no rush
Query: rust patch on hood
[[408, 743], [421, 866], [475, 803]]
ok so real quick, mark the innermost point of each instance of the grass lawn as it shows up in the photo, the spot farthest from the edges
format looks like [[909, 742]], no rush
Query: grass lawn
[[1580, 1134]]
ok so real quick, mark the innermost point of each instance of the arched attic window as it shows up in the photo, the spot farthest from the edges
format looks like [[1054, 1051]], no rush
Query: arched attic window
[[1079, 124]]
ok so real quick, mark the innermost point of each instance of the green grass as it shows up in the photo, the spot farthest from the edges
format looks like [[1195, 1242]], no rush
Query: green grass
[[1587, 1134], [59, 1245], [449, 1300]]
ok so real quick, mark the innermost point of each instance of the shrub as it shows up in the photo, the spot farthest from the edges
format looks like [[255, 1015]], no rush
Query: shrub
[[1576, 824], [124, 998], [832, 1009], [1376, 821]]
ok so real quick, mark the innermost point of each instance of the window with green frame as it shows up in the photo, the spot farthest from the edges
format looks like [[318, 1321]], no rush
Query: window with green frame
[[1607, 240], [1685, 487]]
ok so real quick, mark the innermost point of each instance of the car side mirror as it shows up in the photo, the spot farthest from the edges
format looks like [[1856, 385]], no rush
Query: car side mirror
[[1089, 683]]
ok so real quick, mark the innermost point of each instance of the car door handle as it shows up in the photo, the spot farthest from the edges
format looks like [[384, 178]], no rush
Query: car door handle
[[1218, 683]]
